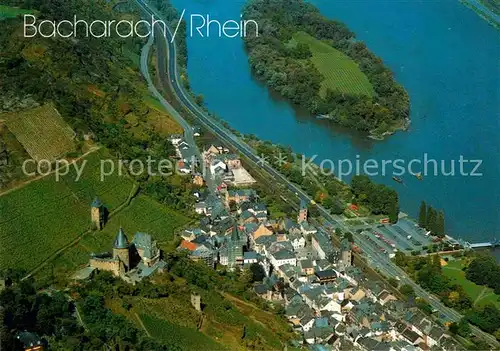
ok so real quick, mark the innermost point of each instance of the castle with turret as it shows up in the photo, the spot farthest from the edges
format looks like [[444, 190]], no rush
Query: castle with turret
[[129, 260]]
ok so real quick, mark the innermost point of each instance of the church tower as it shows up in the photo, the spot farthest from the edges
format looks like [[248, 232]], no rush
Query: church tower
[[121, 249], [97, 214], [302, 216], [235, 248]]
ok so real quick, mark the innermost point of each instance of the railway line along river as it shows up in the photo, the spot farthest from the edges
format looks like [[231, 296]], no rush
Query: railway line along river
[[447, 58]]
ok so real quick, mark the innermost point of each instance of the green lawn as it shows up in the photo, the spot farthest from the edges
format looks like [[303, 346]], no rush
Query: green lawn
[[454, 271], [45, 215], [9, 12], [340, 71]]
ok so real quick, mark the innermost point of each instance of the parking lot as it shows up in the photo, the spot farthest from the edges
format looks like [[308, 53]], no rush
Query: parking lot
[[403, 236]]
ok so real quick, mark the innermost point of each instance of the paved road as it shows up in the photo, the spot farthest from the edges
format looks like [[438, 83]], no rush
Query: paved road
[[188, 130], [485, 11], [385, 265]]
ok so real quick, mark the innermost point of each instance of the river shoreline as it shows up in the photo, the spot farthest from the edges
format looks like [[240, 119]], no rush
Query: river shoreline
[[440, 51], [483, 11]]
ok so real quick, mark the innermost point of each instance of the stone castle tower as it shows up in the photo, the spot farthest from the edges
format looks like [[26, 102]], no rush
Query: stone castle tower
[[121, 249], [97, 213], [196, 301], [302, 216]]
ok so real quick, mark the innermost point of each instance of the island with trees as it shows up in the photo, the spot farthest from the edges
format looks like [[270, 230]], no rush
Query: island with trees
[[318, 64]]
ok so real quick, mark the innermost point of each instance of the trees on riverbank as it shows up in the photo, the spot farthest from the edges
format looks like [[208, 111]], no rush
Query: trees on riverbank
[[430, 219], [378, 197]]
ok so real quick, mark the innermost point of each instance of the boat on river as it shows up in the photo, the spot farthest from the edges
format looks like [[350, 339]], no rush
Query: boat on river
[[397, 179]]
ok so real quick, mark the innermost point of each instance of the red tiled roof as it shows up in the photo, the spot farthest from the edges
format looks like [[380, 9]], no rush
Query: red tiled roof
[[188, 245]]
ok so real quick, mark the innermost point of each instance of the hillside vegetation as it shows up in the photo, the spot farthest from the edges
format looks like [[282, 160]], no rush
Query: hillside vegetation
[[98, 90], [153, 315], [229, 319], [300, 76], [94, 83], [10, 12], [41, 131], [43, 216], [12, 156], [143, 214]]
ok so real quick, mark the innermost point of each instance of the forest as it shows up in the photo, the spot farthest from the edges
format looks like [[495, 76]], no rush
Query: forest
[[290, 71], [51, 315]]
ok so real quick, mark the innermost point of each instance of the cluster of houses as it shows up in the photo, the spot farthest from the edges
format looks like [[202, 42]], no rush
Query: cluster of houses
[[337, 306], [223, 166], [325, 298], [186, 154], [226, 167]]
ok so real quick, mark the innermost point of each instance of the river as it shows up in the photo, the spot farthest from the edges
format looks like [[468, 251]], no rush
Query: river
[[445, 55]]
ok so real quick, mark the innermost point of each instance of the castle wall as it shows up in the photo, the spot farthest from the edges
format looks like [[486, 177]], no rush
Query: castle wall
[[106, 265], [123, 255]]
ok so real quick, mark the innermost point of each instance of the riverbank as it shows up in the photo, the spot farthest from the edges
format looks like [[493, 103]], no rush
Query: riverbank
[[483, 11], [440, 51]]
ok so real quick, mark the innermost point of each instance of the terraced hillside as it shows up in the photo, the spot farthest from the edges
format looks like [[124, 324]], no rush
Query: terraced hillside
[[340, 72], [42, 132], [43, 216]]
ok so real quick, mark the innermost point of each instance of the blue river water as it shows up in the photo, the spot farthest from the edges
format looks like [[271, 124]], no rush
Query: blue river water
[[445, 55]]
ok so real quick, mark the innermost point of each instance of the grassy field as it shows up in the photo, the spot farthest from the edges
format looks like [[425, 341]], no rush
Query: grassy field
[[341, 72], [479, 294], [43, 216], [9, 12], [42, 132]]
